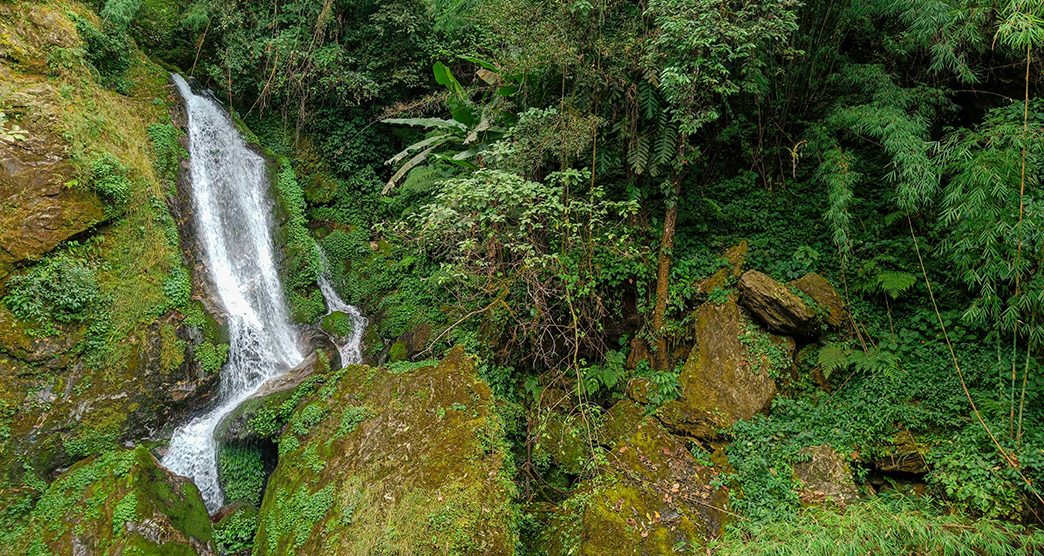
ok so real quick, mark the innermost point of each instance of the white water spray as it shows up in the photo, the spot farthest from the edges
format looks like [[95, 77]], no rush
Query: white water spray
[[232, 215]]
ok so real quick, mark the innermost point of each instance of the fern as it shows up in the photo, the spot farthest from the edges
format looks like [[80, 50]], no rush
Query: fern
[[895, 283]]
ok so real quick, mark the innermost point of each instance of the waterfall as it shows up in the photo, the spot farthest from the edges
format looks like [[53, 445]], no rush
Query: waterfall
[[350, 348], [232, 214]]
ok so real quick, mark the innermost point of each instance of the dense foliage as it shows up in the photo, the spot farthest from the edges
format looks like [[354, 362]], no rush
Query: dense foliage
[[548, 183]]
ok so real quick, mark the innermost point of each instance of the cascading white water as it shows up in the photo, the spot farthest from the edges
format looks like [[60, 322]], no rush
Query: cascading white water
[[351, 347], [232, 215]]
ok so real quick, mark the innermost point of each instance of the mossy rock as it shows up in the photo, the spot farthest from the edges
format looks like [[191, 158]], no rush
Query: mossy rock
[[563, 438], [402, 460], [650, 497], [722, 381], [337, 324], [120, 374], [262, 416], [235, 529], [121, 502]]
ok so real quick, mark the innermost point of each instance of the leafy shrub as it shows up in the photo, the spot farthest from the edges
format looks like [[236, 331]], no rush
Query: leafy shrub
[[242, 473], [235, 533], [108, 50], [177, 287], [303, 262], [110, 181], [211, 356], [881, 527], [168, 152], [61, 288], [119, 13]]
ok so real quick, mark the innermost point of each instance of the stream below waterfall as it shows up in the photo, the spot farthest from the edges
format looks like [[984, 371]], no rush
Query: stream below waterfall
[[232, 213]]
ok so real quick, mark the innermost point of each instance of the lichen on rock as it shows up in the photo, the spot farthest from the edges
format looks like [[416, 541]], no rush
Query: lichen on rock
[[650, 496]]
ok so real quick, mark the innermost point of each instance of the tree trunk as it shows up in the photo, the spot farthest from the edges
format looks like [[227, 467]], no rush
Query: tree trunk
[[663, 273]]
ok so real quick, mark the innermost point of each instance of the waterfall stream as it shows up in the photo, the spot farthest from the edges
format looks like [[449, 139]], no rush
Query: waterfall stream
[[233, 220], [350, 348]]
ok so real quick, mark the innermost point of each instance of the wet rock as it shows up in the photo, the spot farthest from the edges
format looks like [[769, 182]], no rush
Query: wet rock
[[121, 502], [722, 381], [257, 418], [39, 210], [650, 496], [825, 477], [400, 460], [823, 294]]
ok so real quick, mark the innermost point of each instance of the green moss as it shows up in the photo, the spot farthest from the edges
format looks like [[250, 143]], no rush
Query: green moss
[[96, 500], [337, 324], [402, 483], [398, 351]]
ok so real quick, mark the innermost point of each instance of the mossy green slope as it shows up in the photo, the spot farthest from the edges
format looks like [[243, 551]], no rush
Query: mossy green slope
[[401, 460], [85, 363]]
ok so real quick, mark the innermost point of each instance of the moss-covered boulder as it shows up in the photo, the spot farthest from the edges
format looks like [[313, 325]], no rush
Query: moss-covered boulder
[[40, 210], [824, 295], [261, 416], [406, 459], [121, 502], [729, 373], [734, 258], [650, 497], [777, 306]]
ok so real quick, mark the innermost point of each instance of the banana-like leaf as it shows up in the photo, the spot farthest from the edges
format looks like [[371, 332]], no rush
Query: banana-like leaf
[[426, 123], [439, 139], [411, 164]]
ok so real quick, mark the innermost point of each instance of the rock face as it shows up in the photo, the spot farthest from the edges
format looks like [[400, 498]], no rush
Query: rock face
[[825, 477], [124, 369], [121, 502], [39, 210], [725, 379], [401, 460], [651, 495]]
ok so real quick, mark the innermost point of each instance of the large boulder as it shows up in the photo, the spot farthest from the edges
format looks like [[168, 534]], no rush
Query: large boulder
[[260, 415], [729, 373], [804, 307], [39, 209], [407, 459], [824, 476], [121, 502], [649, 497]]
